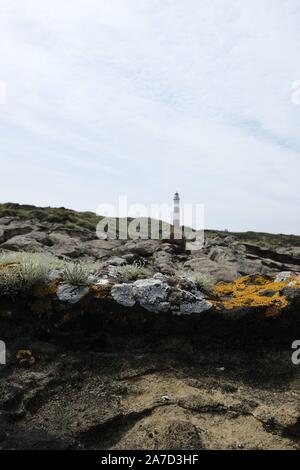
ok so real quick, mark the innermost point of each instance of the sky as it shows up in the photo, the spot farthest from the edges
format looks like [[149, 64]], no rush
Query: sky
[[142, 98]]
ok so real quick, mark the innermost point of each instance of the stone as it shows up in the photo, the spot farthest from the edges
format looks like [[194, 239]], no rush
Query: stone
[[14, 229], [123, 294], [284, 276], [199, 306], [163, 262], [71, 294], [22, 243], [117, 261], [152, 294]]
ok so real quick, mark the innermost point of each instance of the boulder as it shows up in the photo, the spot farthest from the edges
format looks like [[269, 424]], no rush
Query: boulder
[[151, 294], [15, 229], [221, 271], [22, 243], [64, 245], [123, 294]]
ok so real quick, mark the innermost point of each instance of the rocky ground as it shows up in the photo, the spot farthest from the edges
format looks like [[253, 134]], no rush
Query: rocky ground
[[155, 363]]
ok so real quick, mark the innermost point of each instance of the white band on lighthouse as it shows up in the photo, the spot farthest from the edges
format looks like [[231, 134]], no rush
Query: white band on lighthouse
[[176, 211]]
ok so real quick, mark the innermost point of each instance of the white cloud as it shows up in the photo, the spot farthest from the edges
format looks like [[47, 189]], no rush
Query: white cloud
[[145, 97]]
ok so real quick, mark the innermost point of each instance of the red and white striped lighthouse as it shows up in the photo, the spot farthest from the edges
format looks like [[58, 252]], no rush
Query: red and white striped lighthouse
[[176, 210]]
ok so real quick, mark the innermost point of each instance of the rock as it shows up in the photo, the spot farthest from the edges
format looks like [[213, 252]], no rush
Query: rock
[[284, 276], [7, 220], [152, 294], [199, 306], [71, 294], [17, 228], [116, 261], [221, 271], [159, 276], [163, 262], [64, 245], [140, 247], [123, 294], [168, 248], [99, 249], [130, 258], [186, 284], [22, 243]]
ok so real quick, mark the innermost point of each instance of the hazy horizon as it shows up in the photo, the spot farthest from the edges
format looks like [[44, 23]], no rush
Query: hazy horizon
[[148, 97]]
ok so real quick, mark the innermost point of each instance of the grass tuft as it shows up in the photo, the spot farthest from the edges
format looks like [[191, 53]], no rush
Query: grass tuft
[[133, 272]]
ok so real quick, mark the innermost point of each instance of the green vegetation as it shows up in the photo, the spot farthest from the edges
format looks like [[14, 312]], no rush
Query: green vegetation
[[77, 273], [133, 272], [19, 272], [66, 217], [204, 281], [46, 260], [260, 238]]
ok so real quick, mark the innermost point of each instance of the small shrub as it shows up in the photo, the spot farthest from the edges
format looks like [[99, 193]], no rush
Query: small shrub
[[133, 272], [76, 273]]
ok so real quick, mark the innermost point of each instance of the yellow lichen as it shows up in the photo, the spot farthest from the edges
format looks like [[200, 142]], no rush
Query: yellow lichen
[[25, 357], [101, 291], [254, 291], [42, 290]]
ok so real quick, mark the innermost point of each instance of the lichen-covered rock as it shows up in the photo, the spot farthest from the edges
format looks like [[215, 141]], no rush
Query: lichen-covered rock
[[71, 294], [285, 276], [198, 306], [152, 294], [123, 294]]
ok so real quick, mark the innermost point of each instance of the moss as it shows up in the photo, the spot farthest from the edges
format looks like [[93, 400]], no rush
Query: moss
[[254, 291]]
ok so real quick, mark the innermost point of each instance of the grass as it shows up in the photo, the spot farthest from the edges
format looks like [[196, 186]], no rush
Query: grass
[[20, 271], [58, 215], [133, 272], [76, 273], [203, 281], [261, 238]]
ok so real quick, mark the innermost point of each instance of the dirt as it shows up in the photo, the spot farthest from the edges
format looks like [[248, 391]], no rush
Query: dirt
[[206, 399]]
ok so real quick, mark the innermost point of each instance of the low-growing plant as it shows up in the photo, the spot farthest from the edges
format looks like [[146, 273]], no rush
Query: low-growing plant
[[47, 260], [133, 272], [204, 281], [20, 273], [76, 273]]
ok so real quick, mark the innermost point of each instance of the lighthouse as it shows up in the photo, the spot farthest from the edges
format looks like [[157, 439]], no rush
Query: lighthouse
[[176, 210]]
